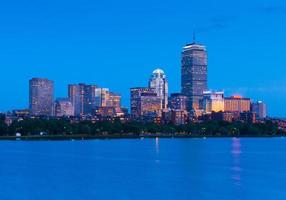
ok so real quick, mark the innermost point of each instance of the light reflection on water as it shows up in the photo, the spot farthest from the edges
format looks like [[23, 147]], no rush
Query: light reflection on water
[[236, 169], [224, 169]]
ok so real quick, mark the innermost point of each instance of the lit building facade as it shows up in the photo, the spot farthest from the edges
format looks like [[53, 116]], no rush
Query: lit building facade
[[101, 97], [259, 108], [114, 101], [178, 101], [248, 117], [237, 104], [63, 107], [213, 102], [41, 97], [179, 117], [144, 102], [158, 81], [76, 96], [86, 99], [194, 74]]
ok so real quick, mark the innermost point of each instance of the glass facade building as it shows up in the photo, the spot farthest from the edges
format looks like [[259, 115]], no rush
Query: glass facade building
[[259, 108], [41, 97], [88, 98], [76, 94], [194, 74]]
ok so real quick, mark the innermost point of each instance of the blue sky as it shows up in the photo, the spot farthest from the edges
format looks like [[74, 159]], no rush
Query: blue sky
[[117, 44]]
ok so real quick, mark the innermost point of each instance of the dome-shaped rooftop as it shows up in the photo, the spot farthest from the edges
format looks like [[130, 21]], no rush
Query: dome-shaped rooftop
[[158, 71]]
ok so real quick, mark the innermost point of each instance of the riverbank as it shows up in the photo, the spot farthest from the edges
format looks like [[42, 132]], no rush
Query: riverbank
[[118, 136]]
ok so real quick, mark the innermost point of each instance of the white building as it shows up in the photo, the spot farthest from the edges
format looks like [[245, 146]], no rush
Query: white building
[[213, 101], [159, 82]]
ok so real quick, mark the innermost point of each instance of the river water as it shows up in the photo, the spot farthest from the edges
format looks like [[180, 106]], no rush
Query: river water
[[149, 169]]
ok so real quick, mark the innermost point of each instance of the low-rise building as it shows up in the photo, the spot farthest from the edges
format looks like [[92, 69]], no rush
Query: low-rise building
[[213, 101], [63, 107], [237, 104]]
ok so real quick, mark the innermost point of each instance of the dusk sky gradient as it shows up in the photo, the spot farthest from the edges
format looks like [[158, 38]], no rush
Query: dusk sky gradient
[[117, 44]]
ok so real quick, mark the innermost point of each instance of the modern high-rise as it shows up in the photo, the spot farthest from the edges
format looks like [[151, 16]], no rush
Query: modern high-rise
[[41, 96], [213, 102], [82, 97], [259, 108], [76, 96], [114, 101], [108, 104], [144, 102], [194, 74], [158, 81], [101, 97], [88, 98], [63, 107]]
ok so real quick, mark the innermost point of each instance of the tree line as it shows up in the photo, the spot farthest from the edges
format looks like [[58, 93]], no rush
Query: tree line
[[30, 127]]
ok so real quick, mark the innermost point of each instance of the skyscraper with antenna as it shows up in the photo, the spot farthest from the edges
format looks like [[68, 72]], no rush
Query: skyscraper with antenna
[[194, 74]]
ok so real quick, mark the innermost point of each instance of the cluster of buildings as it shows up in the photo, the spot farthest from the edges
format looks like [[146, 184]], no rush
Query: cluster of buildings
[[83, 100], [195, 101]]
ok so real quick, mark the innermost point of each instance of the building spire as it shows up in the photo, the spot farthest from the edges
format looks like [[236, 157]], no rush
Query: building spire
[[194, 37]]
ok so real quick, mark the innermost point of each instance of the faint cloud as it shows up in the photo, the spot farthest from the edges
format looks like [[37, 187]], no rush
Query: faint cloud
[[216, 23], [248, 90], [273, 9]]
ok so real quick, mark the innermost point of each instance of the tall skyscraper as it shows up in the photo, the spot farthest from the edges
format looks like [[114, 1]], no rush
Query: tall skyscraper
[[41, 96], [114, 101], [101, 97], [76, 96], [82, 97], [88, 98], [158, 81], [194, 74]]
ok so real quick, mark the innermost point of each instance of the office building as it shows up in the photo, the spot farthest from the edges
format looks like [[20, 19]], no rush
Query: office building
[[259, 108], [144, 102], [237, 104], [63, 107], [178, 101], [213, 102], [248, 117], [101, 97], [158, 81], [76, 96], [114, 101], [83, 98], [194, 75], [41, 96], [86, 99]]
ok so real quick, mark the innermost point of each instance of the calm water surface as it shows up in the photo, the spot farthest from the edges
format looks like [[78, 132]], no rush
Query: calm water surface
[[144, 169]]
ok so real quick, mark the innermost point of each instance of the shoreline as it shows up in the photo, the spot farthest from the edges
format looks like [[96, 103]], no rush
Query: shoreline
[[106, 137]]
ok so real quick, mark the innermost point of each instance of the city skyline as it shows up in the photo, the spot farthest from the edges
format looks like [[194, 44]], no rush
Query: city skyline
[[100, 44], [88, 99]]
